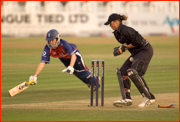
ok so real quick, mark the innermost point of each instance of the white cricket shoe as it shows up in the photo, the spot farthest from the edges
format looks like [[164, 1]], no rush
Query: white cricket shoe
[[146, 102], [122, 102], [152, 101]]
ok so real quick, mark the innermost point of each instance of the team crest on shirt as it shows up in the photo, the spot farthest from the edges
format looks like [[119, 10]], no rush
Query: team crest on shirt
[[54, 53], [44, 54]]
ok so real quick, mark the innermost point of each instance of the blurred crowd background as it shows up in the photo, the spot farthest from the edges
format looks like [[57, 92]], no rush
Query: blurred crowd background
[[87, 18]]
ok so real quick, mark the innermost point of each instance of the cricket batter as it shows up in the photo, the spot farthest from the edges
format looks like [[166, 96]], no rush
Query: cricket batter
[[68, 54], [136, 65]]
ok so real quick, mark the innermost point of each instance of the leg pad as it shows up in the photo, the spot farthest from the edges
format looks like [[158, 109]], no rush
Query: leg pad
[[120, 79], [134, 76]]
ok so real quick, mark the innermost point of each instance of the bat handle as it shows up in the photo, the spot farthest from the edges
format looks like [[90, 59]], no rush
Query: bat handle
[[30, 82]]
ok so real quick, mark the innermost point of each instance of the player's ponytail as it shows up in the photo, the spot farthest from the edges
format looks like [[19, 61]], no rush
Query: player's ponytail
[[123, 17]]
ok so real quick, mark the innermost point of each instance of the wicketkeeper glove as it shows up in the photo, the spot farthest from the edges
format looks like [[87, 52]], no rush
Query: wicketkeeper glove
[[69, 70], [119, 50], [34, 78]]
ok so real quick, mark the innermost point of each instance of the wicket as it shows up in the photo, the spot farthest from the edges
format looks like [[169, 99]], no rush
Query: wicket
[[97, 84]]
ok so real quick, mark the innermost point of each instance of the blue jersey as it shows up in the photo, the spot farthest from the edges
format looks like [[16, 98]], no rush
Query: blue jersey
[[63, 52]]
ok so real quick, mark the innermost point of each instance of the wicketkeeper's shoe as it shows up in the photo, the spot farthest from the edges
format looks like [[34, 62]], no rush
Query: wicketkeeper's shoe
[[146, 102], [152, 101], [122, 102]]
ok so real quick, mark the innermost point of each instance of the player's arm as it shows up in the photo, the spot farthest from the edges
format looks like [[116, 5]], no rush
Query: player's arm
[[70, 68], [40, 67], [119, 50], [34, 77], [44, 59], [129, 46], [73, 60]]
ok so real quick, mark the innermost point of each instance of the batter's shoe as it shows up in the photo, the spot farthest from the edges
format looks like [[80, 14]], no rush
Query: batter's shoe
[[122, 102], [89, 85], [94, 87], [146, 102]]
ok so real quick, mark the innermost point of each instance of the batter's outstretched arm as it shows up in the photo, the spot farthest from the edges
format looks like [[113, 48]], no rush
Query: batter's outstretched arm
[[40, 67], [34, 78]]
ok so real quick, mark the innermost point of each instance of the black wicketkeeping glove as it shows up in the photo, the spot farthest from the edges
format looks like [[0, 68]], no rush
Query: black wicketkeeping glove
[[119, 50]]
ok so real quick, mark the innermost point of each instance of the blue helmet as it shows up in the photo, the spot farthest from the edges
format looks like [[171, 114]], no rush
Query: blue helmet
[[51, 35]]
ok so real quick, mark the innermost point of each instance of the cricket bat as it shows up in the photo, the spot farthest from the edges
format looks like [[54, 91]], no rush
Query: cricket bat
[[19, 88]]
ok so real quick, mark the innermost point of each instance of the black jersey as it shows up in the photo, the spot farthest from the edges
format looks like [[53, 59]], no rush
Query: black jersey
[[128, 35]]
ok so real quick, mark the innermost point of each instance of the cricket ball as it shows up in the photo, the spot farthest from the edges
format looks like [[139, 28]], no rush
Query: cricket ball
[[131, 59]]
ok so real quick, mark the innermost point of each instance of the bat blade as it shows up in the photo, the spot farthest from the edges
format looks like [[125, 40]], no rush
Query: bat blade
[[19, 88]]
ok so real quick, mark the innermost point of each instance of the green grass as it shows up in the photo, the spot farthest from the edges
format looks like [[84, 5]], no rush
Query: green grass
[[81, 115], [21, 56]]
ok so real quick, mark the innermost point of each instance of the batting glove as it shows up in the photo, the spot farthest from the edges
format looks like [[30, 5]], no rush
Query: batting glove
[[34, 78], [69, 70], [119, 50]]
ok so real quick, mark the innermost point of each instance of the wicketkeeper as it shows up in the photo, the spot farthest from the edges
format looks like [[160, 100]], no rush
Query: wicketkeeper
[[68, 54], [136, 65]]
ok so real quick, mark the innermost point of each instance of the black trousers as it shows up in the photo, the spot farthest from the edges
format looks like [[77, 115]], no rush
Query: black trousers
[[140, 64]]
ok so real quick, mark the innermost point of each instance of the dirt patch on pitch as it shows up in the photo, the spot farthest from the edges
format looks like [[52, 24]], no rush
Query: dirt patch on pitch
[[163, 99]]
